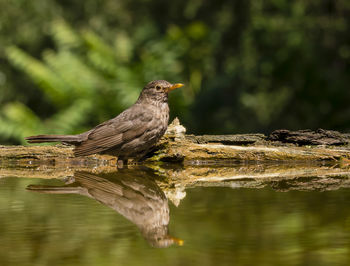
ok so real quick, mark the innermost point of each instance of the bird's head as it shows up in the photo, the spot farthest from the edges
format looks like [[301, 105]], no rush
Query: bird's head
[[158, 90]]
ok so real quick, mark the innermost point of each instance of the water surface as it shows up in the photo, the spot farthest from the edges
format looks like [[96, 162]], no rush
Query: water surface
[[89, 223]]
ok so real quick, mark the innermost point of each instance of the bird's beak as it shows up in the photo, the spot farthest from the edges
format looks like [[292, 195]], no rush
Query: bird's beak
[[178, 241], [175, 86]]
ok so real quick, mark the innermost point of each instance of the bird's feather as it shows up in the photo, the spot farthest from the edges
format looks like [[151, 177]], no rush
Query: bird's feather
[[130, 124]]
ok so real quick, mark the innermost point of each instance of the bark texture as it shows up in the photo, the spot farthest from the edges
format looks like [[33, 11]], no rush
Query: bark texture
[[177, 147]]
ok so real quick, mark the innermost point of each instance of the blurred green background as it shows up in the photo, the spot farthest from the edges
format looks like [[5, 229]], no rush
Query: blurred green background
[[248, 66]]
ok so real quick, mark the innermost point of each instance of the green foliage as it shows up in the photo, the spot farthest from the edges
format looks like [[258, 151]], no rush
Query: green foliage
[[247, 66], [85, 78], [279, 66], [17, 120]]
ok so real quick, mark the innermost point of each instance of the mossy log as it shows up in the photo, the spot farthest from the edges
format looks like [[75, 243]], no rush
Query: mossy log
[[177, 147]]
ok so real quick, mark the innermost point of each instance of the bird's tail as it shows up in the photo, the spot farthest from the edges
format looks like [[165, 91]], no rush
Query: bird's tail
[[53, 138], [54, 189]]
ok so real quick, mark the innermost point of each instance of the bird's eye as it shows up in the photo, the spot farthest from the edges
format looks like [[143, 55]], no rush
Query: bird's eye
[[158, 87]]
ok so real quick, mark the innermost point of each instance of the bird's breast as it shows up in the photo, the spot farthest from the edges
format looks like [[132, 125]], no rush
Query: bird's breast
[[154, 128], [160, 121], [163, 115]]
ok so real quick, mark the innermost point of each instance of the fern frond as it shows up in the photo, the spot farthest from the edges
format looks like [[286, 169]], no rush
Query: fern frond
[[48, 81], [100, 54], [81, 80], [95, 42], [18, 121], [68, 120], [64, 35]]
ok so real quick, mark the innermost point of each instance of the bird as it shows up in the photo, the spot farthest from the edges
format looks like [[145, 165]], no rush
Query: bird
[[131, 134], [133, 193]]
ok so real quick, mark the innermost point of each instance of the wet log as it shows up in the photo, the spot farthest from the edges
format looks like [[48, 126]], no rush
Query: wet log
[[309, 137], [177, 147], [280, 146]]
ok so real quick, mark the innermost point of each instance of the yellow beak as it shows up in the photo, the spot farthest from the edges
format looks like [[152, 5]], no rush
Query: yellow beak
[[178, 241], [175, 86]]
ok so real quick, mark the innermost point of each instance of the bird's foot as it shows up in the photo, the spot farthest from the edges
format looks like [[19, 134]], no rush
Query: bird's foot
[[69, 180], [121, 163]]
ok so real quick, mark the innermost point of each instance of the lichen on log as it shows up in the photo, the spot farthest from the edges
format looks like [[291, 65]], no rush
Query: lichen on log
[[208, 149], [177, 147]]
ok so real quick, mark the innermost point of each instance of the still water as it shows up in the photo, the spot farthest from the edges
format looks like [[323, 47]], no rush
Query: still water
[[125, 219]]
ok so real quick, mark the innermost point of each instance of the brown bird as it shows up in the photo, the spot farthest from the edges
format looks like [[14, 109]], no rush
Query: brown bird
[[129, 135]]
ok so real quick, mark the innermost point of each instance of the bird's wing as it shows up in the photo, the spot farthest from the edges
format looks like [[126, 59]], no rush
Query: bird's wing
[[131, 123], [137, 198]]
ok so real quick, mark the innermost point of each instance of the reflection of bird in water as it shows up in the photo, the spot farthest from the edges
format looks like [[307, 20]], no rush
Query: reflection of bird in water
[[131, 193]]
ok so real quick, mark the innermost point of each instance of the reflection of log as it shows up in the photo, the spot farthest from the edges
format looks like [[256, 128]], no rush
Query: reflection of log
[[174, 181], [175, 146], [280, 177], [255, 176]]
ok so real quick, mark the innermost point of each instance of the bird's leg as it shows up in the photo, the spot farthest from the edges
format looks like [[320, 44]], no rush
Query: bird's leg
[[146, 154], [121, 162], [69, 180]]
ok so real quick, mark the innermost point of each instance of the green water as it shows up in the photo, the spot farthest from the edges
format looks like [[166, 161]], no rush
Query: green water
[[218, 225]]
